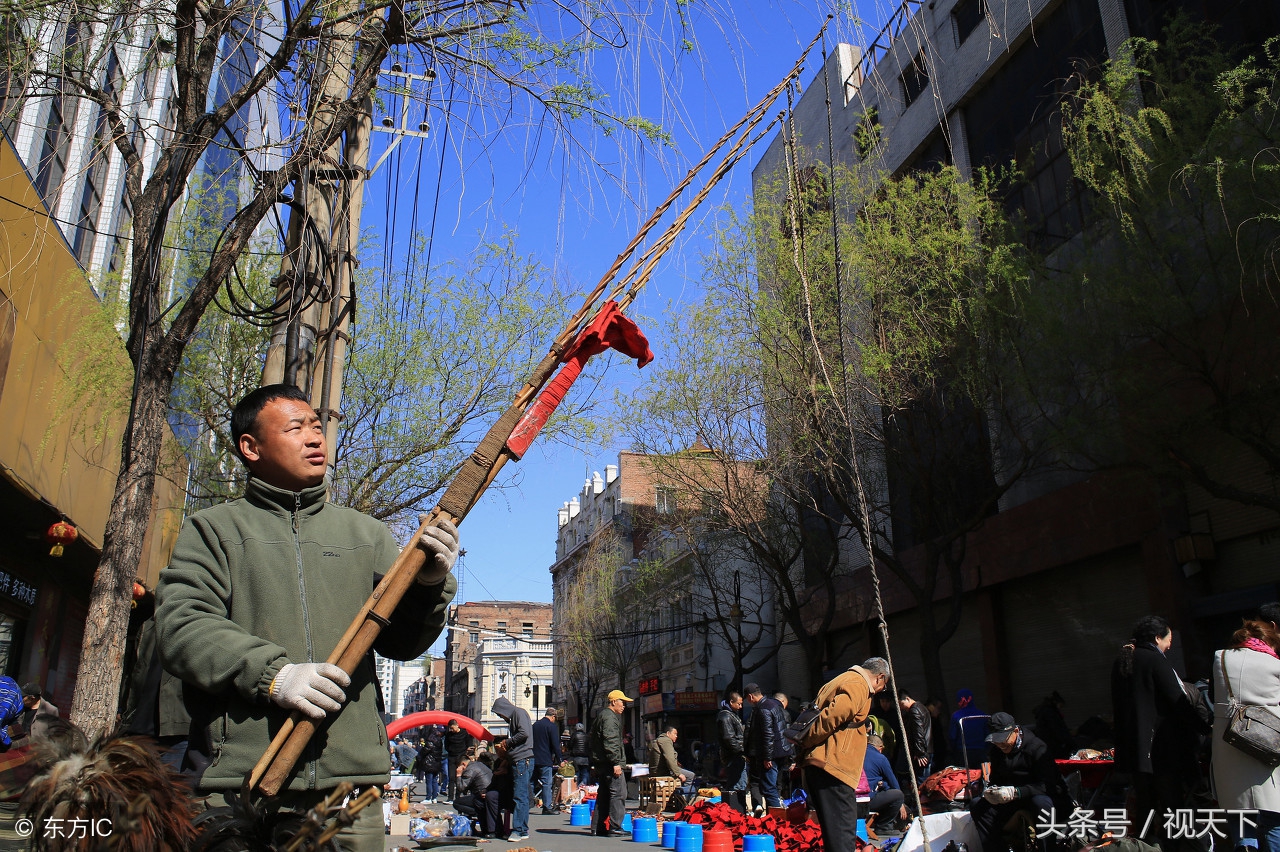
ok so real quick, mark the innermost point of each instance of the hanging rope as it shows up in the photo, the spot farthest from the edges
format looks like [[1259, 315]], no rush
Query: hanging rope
[[791, 158]]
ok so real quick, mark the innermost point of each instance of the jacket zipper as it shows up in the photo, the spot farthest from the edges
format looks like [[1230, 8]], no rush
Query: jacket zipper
[[306, 620]]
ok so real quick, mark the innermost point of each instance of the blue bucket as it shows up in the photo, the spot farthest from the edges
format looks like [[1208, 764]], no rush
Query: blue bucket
[[689, 838], [644, 830], [580, 815], [757, 843], [626, 822], [669, 833]]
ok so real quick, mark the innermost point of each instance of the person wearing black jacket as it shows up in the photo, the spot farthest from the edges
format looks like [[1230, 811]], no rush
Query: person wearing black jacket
[[580, 749], [474, 798], [1023, 777], [520, 753], [426, 766], [546, 756], [729, 722], [919, 734], [1155, 724], [765, 744], [456, 743]]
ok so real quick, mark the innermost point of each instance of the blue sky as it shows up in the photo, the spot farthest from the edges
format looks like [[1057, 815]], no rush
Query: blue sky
[[576, 212]]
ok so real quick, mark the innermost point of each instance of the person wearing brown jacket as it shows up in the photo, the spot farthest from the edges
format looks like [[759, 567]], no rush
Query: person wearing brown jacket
[[834, 747]]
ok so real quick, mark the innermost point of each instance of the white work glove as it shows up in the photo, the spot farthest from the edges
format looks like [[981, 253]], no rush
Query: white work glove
[[313, 689], [440, 543], [1000, 795]]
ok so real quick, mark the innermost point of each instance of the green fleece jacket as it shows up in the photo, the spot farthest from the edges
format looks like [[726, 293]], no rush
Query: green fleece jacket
[[273, 578]]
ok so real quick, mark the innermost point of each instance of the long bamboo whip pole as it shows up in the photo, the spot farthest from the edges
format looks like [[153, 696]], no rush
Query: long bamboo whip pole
[[273, 769]]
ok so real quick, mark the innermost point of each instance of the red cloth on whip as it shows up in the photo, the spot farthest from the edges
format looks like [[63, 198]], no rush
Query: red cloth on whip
[[609, 330]]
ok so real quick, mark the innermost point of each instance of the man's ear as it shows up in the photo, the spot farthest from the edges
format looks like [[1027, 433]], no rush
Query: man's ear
[[249, 448]]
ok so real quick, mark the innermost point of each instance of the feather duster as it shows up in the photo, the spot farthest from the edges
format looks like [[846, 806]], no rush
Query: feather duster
[[113, 794]]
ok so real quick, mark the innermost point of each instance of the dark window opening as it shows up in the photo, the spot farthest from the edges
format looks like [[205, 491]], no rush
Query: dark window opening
[[967, 14], [914, 79], [931, 156], [1015, 120], [866, 138]]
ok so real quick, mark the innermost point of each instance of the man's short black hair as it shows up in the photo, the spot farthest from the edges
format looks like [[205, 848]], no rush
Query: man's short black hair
[[669, 728], [752, 689], [1270, 612], [245, 415]]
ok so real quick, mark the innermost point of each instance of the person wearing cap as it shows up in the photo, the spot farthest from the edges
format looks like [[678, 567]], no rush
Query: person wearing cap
[[1023, 777], [607, 760]]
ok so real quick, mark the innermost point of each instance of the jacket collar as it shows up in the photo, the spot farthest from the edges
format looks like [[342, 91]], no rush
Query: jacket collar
[[280, 501]]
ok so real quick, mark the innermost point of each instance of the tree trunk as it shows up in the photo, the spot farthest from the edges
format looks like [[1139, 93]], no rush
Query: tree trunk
[[94, 706], [931, 652]]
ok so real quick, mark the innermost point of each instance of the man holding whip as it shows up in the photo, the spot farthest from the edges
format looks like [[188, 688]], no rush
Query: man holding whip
[[260, 590]]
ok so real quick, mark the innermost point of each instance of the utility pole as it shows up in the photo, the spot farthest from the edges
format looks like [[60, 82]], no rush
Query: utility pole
[[314, 290]]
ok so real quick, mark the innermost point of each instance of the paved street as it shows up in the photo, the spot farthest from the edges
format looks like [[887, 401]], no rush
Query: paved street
[[546, 834]]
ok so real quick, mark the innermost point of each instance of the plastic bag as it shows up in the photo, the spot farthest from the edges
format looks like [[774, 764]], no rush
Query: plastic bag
[[460, 826]]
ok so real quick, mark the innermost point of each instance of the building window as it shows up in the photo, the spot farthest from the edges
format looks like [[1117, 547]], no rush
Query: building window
[[866, 138], [914, 78], [121, 223], [52, 166], [502, 625], [527, 629], [474, 638], [965, 16], [536, 705], [665, 500], [475, 622], [95, 178]]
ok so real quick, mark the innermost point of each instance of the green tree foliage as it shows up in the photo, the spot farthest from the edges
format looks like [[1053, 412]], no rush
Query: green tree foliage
[[845, 393], [607, 594], [437, 357], [1153, 339], [69, 52]]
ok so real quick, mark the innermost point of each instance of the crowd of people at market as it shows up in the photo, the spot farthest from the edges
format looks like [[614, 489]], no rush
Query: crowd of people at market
[[863, 745]]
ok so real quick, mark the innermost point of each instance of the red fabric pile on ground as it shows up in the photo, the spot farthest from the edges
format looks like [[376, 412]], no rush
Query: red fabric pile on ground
[[788, 836]]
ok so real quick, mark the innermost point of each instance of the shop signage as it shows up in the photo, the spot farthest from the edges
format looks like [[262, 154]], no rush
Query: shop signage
[[20, 591], [652, 705], [686, 701], [650, 685]]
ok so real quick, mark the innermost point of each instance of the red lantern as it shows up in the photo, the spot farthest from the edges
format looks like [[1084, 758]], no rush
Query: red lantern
[[60, 535]]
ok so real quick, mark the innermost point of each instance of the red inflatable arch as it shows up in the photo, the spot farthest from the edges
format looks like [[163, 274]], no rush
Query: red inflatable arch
[[437, 717]]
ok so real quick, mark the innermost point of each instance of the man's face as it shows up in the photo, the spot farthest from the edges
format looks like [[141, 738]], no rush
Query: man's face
[[755, 699], [736, 703], [617, 705], [29, 701], [879, 682], [1165, 642], [672, 734], [286, 445], [1007, 745]]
